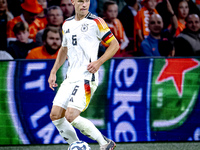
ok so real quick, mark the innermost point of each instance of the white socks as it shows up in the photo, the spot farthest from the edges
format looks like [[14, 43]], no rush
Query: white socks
[[66, 130], [87, 128]]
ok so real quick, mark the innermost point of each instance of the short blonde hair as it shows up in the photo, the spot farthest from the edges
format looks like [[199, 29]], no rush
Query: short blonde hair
[[20, 26]]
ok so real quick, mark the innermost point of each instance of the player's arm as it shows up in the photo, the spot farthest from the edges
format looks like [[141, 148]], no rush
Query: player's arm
[[109, 53], [61, 58]]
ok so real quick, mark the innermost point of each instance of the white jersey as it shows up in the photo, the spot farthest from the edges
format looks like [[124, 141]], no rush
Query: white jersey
[[82, 39]]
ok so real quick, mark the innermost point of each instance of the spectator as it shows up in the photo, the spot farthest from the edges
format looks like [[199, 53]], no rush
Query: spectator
[[31, 9], [188, 41], [142, 18], [5, 16], [19, 49], [52, 42], [181, 13], [120, 3], [54, 18], [110, 16], [4, 10], [42, 16], [158, 43], [161, 8], [126, 16], [67, 8]]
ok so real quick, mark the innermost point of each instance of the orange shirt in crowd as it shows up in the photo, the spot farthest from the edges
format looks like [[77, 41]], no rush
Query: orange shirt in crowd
[[41, 22], [142, 20], [180, 28], [141, 23], [33, 28], [117, 29], [40, 53]]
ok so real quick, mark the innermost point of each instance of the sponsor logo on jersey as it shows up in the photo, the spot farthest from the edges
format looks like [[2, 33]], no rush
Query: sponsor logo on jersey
[[67, 31]]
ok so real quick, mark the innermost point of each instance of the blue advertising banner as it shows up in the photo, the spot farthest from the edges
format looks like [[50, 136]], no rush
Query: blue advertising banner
[[129, 93], [33, 102], [137, 100]]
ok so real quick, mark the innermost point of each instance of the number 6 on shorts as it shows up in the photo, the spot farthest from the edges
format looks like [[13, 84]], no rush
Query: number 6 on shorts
[[75, 90]]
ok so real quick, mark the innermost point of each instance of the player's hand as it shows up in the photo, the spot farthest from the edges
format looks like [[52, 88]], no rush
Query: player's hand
[[52, 81], [93, 67]]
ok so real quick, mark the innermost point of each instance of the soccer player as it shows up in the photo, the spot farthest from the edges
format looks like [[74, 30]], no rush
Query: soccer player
[[82, 34]]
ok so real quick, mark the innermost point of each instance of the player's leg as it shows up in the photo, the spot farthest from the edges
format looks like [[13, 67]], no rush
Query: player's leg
[[81, 99], [84, 125], [88, 128], [57, 114], [65, 129]]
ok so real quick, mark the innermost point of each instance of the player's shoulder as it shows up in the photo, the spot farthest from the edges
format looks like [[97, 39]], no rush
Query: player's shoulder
[[98, 20], [69, 19], [91, 16]]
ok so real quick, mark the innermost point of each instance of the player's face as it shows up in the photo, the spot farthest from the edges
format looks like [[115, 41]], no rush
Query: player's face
[[53, 40], [193, 23], [81, 7], [55, 17], [67, 7], [112, 12], [183, 9], [22, 36]]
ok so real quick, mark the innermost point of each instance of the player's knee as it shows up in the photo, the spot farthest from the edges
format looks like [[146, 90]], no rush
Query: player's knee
[[57, 113], [54, 116], [71, 114], [69, 118]]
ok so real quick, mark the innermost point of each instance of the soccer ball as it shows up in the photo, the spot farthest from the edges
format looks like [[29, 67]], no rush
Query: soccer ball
[[79, 145]]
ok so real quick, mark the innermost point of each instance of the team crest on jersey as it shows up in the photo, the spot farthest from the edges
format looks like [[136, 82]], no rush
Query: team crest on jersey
[[84, 27]]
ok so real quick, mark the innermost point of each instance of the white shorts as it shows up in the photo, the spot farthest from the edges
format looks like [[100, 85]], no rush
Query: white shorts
[[75, 94]]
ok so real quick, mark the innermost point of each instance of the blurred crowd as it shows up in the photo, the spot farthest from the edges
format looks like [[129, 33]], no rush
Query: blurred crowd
[[31, 29]]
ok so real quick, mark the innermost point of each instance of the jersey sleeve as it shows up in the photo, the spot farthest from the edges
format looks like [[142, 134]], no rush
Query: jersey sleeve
[[103, 32], [64, 40]]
